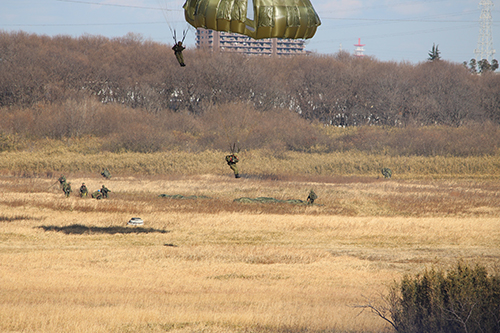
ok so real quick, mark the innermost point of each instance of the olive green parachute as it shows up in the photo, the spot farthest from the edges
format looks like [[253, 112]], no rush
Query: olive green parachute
[[269, 200], [270, 18]]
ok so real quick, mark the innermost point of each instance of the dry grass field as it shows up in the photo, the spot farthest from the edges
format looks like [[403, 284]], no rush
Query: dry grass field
[[213, 265]]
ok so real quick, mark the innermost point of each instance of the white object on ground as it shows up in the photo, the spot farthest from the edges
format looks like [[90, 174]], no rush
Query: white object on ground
[[135, 221]]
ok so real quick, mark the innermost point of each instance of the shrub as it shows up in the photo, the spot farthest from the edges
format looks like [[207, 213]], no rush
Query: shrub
[[463, 299], [9, 142]]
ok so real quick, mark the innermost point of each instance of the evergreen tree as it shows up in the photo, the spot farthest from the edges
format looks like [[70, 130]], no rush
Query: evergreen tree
[[494, 65], [473, 66], [484, 66], [481, 66], [434, 53]]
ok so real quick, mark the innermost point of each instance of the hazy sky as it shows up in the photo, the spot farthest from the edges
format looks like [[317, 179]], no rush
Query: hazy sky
[[390, 29]]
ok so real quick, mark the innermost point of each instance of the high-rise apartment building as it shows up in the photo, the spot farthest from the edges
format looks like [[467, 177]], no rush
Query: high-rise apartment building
[[230, 42]]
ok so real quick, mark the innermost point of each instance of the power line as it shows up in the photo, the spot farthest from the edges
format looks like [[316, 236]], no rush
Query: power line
[[398, 20], [78, 24], [399, 34], [427, 17], [117, 5], [322, 17], [384, 6], [418, 32]]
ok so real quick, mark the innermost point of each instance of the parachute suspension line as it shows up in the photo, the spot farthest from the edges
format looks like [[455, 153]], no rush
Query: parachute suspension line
[[235, 149], [184, 33], [172, 30], [174, 34]]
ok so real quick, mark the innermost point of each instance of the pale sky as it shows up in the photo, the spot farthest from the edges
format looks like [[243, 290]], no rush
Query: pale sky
[[391, 30]]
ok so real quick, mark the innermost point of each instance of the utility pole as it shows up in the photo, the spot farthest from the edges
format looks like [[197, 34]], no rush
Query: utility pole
[[484, 48]]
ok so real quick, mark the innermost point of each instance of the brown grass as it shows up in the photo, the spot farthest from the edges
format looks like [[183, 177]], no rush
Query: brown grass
[[213, 265], [78, 157]]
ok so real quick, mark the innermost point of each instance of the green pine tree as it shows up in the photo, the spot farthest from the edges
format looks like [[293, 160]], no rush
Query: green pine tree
[[434, 53]]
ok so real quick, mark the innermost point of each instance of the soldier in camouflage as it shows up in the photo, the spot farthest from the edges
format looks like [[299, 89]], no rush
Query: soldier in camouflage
[[312, 196], [387, 173], [104, 190], [62, 181], [231, 161], [178, 48], [97, 195], [67, 189], [83, 191], [106, 174]]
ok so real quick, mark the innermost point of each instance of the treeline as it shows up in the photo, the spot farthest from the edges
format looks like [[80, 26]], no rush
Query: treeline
[[133, 92], [337, 90]]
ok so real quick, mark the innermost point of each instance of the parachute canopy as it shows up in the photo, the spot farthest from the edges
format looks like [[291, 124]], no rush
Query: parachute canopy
[[255, 18]]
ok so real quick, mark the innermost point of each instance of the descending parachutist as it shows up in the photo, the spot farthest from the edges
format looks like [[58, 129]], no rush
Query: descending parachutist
[[178, 48]]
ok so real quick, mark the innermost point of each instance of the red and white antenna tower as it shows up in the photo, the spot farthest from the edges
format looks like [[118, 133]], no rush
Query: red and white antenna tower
[[359, 51]]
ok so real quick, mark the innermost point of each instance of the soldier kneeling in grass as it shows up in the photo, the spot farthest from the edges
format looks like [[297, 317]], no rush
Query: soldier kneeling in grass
[[83, 191], [106, 174], [97, 195], [387, 173], [312, 196]]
